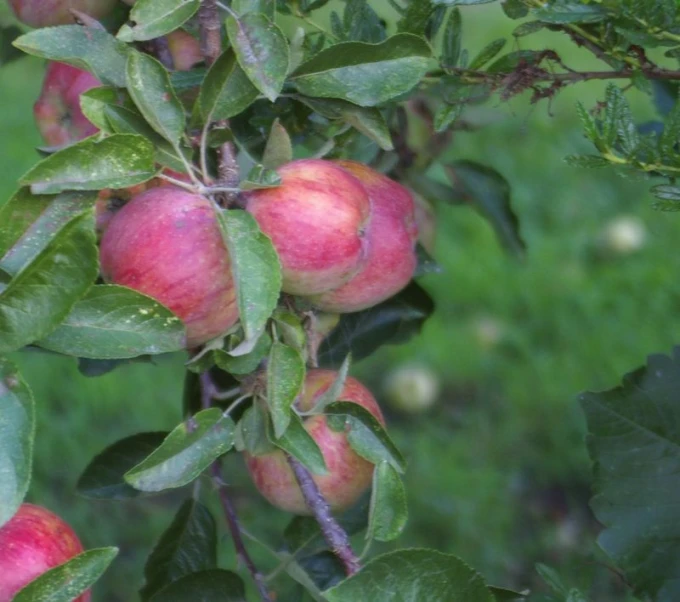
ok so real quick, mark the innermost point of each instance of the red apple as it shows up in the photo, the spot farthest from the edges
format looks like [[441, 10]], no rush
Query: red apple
[[166, 243], [185, 50], [57, 111], [349, 475], [316, 220], [33, 541], [390, 260], [44, 13]]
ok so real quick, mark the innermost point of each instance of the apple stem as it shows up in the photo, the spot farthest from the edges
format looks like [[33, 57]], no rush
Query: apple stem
[[210, 26], [208, 392], [336, 537]]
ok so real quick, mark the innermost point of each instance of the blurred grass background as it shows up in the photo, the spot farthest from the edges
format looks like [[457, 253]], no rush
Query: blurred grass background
[[498, 470]]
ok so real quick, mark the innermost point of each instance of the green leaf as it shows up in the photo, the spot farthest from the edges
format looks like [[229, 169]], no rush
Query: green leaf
[[365, 434], [332, 394], [279, 149], [285, 377], [526, 29], [119, 161], [515, 9], [487, 53], [502, 594], [413, 575], [148, 83], [416, 17], [591, 129], [247, 363], [590, 161], [367, 120], [251, 434], [155, 18], [29, 221], [43, 293], [260, 177], [618, 123], [115, 322], [103, 477], [452, 40], [299, 443], [186, 452], [488, 192], [634, 441], [187, 546], [226, 90], [67, 581], [393, 321], [123, 120], [261, 50], [17, 431], [215, 585], [89, 48], [256, 269], [290, 330], [564, 13], [669, 197], [446, 114], [94, 103], [389, 512], [365, 74]]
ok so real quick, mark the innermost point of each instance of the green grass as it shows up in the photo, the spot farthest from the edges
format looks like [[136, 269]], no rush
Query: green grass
[[498, 471]]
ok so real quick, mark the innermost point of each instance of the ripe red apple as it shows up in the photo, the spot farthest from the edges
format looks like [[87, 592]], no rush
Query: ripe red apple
[[349, 475], [316, 220], [57, 110], [166, 243], [44, 13], [33, 541], [390, 259]]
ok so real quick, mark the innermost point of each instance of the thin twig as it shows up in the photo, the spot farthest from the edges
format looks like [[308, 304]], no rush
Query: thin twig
[[333, 533], [208, 391], [239, 546], [210, 26]]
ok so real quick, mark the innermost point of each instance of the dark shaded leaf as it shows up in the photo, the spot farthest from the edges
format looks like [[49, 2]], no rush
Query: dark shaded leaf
[[187, 546], [634, 441], [488, 192], [215, 585], [393, 321], [103, 477]]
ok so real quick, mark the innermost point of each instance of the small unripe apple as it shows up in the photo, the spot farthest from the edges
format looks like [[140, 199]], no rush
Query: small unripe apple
[[412, 388], [57, 111], [624, 235], [44, 13], [33, 541], [349, 475], [316, 220], [167, 244], [488, 331], [391, 236]]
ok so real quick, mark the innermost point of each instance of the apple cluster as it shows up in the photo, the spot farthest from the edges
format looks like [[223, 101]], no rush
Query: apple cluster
[[345, 235]]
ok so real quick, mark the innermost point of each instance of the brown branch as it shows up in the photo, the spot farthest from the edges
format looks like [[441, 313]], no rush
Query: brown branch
[[208, 390], [210, 28], [333, 533], [235, 529]]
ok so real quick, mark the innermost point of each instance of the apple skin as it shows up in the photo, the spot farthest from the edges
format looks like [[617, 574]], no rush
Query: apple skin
[[316, 220], [185, 50], [391, 236], [33, 541], [57, 111], [349, 475], [45, 13], [166, 243]]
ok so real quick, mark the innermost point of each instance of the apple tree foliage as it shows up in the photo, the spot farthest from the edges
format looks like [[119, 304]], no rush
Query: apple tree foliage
[[278, 86]]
